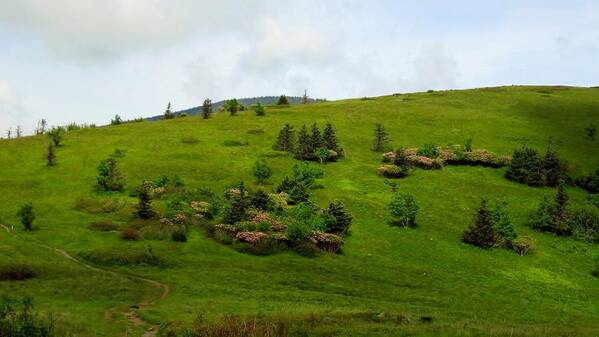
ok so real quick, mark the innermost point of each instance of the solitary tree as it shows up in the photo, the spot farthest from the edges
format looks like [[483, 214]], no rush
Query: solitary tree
[[404, 209], [143, 209], [19, 131], [232, 106], [109, 177], [27, 216], [381, 140], [51, 155], [9, 133], [55, 135], [259, 109], [283, 100], [286, 139], [262, 171], [117, 120], [329, 138], [305, 97], [482, 231], [207, 108], [168, 114], [338, 219]]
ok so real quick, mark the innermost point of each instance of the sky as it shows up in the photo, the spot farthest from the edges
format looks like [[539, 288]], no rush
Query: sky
[[84, 61]]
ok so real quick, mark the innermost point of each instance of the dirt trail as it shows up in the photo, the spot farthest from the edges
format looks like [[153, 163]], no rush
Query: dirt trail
[[131, 315]]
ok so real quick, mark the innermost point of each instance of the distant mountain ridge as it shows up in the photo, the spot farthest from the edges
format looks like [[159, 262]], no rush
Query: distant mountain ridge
[[247, 101]]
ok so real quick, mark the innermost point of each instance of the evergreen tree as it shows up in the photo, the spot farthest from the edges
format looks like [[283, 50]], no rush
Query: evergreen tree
[[304, 149], [117, 120], [526, 167], [9, 133], [338, 219], [315, 138], [51, 155], [143, 209], [27, 216], [305, 97], [330, 138], [503, 226], [109, 177], [381, 140], [559, 211], [482, 232], [236, 210], [168, 114], [260, 200], [555, 170], [259, 109], [283, 100], [207, 108], [286, 139], [262, 171]]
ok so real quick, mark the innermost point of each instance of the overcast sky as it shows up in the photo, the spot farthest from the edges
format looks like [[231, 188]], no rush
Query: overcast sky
[[87, 60]]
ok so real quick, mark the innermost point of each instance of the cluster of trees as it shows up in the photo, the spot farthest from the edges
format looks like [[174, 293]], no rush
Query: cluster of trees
[[18, 319], [528, 167], [313, 145]]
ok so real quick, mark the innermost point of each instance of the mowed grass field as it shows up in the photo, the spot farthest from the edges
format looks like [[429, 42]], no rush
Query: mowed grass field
[[425, 271]]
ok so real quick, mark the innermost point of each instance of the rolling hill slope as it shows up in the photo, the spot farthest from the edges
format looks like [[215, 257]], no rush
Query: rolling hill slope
[[422, 272]]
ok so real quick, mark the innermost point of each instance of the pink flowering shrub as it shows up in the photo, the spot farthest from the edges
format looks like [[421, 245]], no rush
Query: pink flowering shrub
[[251, 237], [326, 241], [392, 171], [389, 157]]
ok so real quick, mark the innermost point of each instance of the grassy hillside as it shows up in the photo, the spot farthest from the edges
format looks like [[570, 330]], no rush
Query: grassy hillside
[[426, 271]]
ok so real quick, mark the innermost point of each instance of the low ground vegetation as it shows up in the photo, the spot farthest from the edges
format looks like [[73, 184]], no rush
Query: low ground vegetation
[[18, 319]]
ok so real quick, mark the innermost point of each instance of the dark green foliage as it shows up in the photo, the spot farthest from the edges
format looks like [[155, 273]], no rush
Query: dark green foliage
[[16, 272], [403, 208], [51, 155], [482, 232], [179, 235], [428, 150], [260, 200], [337, 219], [109, 177], [143, 209], [553, 217], [503, 226], [591, 182], [304, 149], [468, 145], [286, 139], [26, 216], [117, 120], [231, 143], [129, 234], [329, 138], [261, 171], [322, 154], [381, 139], [103, 226], [239, 202], [315, 137], [306, 173], [259, 109], [17, 319], [55, 135], [526, 167], [556, 171], [124, 257], [584, 222], [168, 114], [283, 100], [206, 108], [401, 159], [232, 106], [591, 131], [298, 193], [541, 219]]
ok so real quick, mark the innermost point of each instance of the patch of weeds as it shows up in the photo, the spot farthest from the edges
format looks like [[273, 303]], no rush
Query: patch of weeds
[[124, 257], [235, 143], [94, 206], [103, 226], [17, 272], [190, 140], [255, 131]]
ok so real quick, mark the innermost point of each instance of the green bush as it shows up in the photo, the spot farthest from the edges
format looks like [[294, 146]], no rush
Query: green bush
[[103, 226], [337, 219], [17, 319], [403, 208], [261, 171], [523, 245], [16, 272], [503, 226], [109, 176], [553, 217], [428, 150], [130, 234], [482, 232], [393, 171], [231, 143], [27, 216], [584, 223], [179, 235], [124, 257]]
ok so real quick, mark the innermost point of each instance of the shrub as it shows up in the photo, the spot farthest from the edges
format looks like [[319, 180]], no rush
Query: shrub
[[130, 234], [286, 139], [526, 167], [189, 140], [51, 155], [388, 157], [124, 257], [482, 232], [16, 272], [117, 120], [266, 246], [503, 226], [337, 220], [94, 206], [179, 235], [541, 219], [17, 319], [428, 150], [468, 145], [403, 208], [262, 171], [230, 143], [261, 201], [392, 171], [103, 226], [27, 216], [259, 109], [584, 223], [109, 177], [591, 131], [306, 174], [523, 245], [55, 135], [283, 100], [591, 182], [323, 154], [327, 241], [556, 170], [238, 203]]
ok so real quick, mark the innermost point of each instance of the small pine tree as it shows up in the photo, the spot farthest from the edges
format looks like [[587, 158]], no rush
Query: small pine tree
[[259, 109], [503, 226], [526, 167], [381, 139], [260, 200], [286, 139], [143, 209], [236, 210], [329, 138], [304, 149], [55, 135], [109, 177], [51, 155], [338, 220], [555, 170], [482, 232], [117, 120], [315, 138], [559, 211], [283, 100], [262, 171], [168, 114], [468, 145], [27, 216], [404, 209], [207, 108]]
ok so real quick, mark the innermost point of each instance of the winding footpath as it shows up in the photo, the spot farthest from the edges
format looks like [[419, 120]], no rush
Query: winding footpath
[[131, 315]]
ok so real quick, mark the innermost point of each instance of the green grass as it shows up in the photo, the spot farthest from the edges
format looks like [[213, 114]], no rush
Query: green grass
[[426, 271]]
